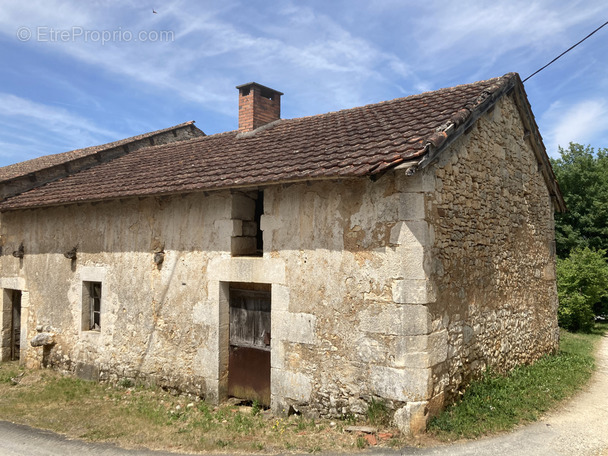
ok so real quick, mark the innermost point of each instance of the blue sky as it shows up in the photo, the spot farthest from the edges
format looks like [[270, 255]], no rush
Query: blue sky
[[75, 73]]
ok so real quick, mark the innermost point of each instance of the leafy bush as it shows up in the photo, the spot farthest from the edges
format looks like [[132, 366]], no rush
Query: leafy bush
[[582, 285]]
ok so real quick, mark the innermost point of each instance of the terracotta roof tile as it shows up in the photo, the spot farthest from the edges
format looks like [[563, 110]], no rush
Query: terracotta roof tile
[[354, 142], [47, 161]]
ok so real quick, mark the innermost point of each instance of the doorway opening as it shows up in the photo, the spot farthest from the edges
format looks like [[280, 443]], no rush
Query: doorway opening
[[11, 325], [249, 342]]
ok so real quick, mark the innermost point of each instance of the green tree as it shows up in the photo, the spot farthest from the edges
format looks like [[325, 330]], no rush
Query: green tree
[[582, 175], [582, 287]]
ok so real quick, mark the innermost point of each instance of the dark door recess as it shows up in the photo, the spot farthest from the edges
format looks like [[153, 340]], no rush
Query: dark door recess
[[249, 359], [15, 324]]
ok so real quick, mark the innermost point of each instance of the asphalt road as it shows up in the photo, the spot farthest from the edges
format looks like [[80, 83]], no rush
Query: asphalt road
[[18, 440], [580, 428]]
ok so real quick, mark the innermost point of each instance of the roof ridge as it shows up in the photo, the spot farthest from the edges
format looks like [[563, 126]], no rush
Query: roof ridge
[[22, 168], [400, 99]]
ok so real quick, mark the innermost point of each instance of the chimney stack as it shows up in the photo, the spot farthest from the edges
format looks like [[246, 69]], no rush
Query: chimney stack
[[258, 105]]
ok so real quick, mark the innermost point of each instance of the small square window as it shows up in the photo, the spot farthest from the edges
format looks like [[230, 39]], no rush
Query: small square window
[[91, 306]]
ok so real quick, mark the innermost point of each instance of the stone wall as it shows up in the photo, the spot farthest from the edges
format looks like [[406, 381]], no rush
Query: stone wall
[[493, 264], [343, 258], [353, 255], [150, 326]]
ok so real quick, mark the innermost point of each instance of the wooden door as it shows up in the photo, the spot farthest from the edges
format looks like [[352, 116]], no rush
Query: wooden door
[[249, 355], [15, 324]]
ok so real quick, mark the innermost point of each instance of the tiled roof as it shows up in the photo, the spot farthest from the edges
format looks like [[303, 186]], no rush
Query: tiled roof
[[354, 142], [47, 161]]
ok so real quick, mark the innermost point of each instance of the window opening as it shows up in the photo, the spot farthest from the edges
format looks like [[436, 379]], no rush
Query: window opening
[[91, 302]]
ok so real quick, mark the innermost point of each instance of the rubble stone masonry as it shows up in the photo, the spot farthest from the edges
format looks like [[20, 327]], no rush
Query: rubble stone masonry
[[492, 258]]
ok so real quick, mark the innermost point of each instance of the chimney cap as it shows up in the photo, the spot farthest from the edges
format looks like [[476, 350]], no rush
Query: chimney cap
[[251, 84]]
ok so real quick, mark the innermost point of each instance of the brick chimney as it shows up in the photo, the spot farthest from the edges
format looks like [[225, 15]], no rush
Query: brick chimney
[[258, 105]]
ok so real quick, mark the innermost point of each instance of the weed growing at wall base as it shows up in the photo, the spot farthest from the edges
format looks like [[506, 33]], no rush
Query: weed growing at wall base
[[498, 403], [129, 415]]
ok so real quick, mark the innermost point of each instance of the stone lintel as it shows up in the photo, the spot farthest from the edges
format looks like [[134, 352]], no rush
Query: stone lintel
[[252, 270]]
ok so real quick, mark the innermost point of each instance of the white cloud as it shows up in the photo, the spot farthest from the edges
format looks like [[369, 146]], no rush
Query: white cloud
[[40, 118], [480, 35], [325, 57], [211, 44], [581, 123]]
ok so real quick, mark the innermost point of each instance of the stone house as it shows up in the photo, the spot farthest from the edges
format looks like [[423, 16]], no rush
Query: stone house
[[387, 252]]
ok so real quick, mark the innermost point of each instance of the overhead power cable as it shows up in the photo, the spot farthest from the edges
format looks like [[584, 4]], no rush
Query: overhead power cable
[[565, 52]]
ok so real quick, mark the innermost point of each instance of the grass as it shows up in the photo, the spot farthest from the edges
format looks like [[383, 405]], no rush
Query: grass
[[133, 416], [497, 403], [378, 413]]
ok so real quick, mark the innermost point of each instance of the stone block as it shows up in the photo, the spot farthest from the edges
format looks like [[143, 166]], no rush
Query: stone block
[[421, 181], [249, 229], [92, 273], [411, 344], [437, 347], [206, 312], [290, 385], [400, 320], [412, 233], [228, 227], [370, 350], [243, 245], [413, 291], [499, 151], [43, 339], [401, 262], [243, 207], [293, 327], [88, 372], [411, 206], [13, 283], [549, 272], [255, 270], [408, 384], [412, 419], [421, 351], [270, 222], [277, 354], [416, 360], [280, 298], [412, 260], [206, 364]]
